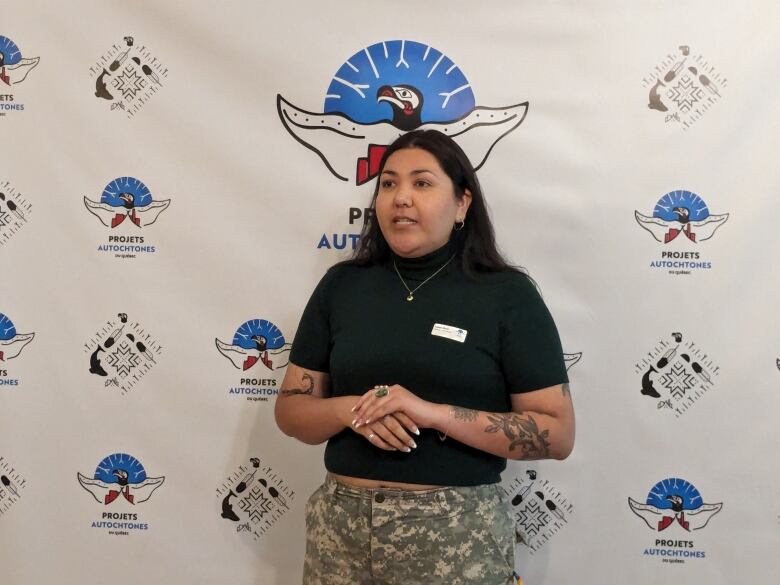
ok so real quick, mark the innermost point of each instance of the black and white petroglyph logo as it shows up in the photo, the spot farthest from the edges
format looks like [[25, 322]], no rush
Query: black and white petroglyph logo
[[253, 498], [676, 374], [14, 211], [683, 86], [12, 485], [127, 75], [539, 508], [122, 352]]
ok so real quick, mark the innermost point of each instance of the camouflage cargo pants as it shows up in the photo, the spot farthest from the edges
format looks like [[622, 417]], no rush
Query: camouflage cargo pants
[[457, 536]]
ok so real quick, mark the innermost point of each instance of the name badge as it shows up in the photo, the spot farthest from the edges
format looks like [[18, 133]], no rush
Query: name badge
[[450, 332]]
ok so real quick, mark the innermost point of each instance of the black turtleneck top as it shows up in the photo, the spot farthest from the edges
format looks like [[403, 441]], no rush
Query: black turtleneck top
[[359, 327]]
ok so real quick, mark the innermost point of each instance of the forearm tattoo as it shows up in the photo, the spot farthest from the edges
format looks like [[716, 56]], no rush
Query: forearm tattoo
[[565, 389], [523, 433], [460, 413], [307, 386]]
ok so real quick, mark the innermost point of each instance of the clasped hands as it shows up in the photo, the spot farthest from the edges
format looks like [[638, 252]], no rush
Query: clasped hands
[[388, 416]]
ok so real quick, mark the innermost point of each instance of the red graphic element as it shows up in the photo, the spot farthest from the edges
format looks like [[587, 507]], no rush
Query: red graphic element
[[113, 495], [4, 77], [1, 357], [673, 233], [368, 166], [119, 218], [667, 521], [251, 360]]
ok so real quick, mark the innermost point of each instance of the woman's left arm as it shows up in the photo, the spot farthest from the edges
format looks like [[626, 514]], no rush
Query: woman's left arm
[[540, 425]]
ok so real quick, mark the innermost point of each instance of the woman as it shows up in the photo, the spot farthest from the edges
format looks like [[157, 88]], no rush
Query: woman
[[425, 362]]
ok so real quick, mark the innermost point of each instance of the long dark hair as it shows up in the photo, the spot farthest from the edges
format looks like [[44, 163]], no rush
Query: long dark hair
[[475, 242]]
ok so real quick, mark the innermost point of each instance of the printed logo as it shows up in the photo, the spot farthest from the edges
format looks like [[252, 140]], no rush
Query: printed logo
[[14, 211], [683, 86], [253, 498], [674, 504], [119, 481], [127, 202], [675, 374], [382, 92], [11, 345], [127, 76], [260, 346], [122, 353], [539, 508], [683, 218], [12, 485], [14, 69]]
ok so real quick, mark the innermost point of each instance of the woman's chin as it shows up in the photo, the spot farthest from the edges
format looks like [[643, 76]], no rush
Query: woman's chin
[[407, 249]]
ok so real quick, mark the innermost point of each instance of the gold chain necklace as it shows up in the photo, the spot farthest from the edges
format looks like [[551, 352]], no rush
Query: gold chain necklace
[[410, 296]]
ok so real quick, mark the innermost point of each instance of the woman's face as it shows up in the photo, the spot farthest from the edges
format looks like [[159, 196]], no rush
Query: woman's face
[[416, 204]]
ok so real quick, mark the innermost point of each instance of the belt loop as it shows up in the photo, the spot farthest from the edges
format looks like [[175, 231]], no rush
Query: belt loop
[[330, 484]]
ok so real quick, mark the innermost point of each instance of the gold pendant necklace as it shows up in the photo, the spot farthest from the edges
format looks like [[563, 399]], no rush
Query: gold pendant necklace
[[410, 296]]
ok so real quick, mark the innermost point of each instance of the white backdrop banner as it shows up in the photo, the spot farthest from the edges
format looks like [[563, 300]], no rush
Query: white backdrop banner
[[175, 177]]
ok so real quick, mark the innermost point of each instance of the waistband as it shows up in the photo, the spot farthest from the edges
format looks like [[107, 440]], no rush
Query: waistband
[[449, 494]]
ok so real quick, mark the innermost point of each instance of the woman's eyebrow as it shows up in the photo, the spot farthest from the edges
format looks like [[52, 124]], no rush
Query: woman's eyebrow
[[414, 172]]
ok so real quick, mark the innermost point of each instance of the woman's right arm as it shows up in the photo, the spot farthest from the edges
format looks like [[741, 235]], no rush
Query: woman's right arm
[[305, 410]]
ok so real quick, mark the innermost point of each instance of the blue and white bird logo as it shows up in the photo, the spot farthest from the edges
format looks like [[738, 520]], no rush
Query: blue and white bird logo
[[674, 501], [11, 342], [681, 213], [126, 198], [256, 340], [14, 68], [120, 476], [386, 90]]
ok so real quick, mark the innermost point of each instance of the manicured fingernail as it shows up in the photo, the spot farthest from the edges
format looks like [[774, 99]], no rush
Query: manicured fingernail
[[353, 408], [353, 422], [414, 445], [357, 424], [416, 432], [367, 421], [408, 450]]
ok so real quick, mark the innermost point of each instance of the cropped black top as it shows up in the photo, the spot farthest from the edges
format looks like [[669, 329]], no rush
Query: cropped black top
[[461, 341]]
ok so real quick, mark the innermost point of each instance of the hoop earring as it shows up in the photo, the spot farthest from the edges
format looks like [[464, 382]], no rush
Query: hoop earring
[[459, 225]]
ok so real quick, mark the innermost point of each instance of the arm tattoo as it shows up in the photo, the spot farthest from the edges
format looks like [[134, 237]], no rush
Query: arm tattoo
[[460, 413], [307, 386], [523, 432], [565, 389]]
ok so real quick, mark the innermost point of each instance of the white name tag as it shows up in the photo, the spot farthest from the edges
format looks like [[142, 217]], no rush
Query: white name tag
[[450, 332]]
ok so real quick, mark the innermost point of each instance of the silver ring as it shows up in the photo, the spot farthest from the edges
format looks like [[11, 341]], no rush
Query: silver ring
[[371, 436]]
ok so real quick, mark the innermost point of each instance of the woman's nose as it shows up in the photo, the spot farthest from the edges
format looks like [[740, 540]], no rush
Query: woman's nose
[[403, 196]]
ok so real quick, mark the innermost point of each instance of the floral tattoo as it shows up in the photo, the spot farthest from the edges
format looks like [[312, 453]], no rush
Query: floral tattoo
[[522, 432]]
